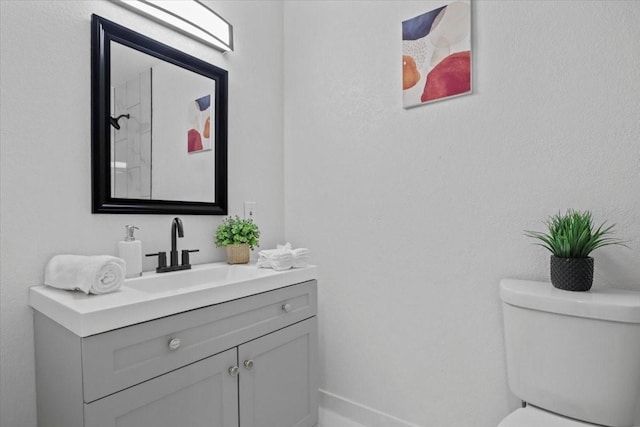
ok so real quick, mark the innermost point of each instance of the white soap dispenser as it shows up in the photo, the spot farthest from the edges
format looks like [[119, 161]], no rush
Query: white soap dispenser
[[130, 250]]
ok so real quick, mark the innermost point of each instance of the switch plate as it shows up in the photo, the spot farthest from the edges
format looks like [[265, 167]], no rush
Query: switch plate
[[250, 210]]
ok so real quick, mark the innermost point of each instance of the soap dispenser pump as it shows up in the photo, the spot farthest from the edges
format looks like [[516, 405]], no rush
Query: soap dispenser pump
[[130, 250]]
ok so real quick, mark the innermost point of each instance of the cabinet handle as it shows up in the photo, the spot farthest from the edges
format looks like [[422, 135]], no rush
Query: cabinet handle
[[248, 364], [174, 344], [287, 308], [234, 371]]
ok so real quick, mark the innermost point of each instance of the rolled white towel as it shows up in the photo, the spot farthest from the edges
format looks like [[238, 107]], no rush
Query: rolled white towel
[[90, 274]]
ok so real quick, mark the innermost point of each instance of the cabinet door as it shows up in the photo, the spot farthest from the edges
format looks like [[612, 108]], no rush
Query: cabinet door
[[197, 395], [278, 378]]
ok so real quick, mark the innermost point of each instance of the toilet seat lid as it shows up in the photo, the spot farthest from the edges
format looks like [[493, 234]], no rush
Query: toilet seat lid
[[534, 417]]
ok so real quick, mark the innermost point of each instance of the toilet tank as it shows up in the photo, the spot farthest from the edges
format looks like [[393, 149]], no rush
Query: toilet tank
[[574, 353]]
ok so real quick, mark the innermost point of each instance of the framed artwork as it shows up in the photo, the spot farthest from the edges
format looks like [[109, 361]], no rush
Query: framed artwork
[[199, 134], [436, 54]]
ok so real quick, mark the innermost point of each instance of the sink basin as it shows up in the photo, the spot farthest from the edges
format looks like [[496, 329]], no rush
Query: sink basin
[[210, 275], [155, 295]]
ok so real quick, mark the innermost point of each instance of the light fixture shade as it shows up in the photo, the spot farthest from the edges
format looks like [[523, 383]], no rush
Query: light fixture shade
[[190, 17]]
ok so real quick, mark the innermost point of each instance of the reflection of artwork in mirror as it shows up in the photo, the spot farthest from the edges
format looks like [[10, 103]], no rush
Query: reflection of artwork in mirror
[[150, 162], [199, 134], [153, 96]]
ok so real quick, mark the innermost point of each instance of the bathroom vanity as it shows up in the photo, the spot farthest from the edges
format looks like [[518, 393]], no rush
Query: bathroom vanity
[[216, 346]]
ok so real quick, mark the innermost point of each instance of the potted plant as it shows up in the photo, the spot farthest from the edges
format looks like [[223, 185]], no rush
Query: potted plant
[[239, 236], [570, 239]]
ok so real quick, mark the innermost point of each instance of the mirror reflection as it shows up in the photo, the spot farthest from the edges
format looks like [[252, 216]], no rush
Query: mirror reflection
[[162, 129]]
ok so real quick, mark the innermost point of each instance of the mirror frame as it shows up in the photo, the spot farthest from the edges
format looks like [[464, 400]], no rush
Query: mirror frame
[[103, 32]]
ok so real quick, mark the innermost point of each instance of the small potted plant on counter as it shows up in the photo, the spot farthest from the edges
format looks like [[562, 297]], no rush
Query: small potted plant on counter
[[570, 239], [239, 236]]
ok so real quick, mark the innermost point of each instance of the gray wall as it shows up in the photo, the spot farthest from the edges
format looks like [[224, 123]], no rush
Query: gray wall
[[415, 215], [45, 154]]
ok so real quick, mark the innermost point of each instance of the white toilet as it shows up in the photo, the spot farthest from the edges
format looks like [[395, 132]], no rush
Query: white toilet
[[574, 357]]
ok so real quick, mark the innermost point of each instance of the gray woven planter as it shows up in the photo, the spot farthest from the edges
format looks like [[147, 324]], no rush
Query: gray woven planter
[[572, 274]]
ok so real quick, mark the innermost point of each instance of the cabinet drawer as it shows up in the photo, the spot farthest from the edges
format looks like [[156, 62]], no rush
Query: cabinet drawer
[[118, 359]]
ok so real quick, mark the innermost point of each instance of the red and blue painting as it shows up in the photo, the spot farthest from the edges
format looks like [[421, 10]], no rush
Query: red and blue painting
[[199, 133], [436, 54]]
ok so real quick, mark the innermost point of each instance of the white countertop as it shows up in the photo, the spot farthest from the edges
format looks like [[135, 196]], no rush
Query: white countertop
[[156, 295]]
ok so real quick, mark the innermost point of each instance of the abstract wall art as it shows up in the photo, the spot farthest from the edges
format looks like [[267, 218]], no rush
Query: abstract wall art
[[199, 134], [436, 54]]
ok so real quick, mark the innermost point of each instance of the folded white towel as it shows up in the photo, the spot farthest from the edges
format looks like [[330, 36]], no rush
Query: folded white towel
[[300, 257], [276, 253], [278, 259], [283, 258], [90, 274]]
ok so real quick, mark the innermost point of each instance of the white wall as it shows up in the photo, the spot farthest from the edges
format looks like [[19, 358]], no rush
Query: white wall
[[412, 215], [415, 215], [45, 191]]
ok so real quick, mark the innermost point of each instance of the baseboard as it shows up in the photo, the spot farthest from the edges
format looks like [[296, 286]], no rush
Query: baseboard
[[359, 413]]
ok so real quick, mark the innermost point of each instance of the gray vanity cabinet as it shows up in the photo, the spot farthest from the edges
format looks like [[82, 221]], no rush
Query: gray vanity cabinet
[[277, 378], [248, 362]]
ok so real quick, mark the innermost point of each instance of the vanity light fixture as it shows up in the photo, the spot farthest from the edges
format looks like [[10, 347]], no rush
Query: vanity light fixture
[[190, 17]]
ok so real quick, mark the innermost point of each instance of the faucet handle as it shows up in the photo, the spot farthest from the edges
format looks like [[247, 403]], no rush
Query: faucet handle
[[185, 255], [162, 259]]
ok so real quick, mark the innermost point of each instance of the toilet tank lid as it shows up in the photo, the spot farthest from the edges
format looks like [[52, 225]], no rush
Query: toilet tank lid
[[618, 305]]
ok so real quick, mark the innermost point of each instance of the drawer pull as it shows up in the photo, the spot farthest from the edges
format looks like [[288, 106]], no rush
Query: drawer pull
[[234, 371], [287, 308], [248, 364], [174, 344]]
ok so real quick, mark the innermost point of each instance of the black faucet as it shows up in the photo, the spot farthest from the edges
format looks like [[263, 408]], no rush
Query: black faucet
[[177, 230]]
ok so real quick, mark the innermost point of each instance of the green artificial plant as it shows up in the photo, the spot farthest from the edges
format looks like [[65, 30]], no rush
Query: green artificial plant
[[236, 231], [572, 235]]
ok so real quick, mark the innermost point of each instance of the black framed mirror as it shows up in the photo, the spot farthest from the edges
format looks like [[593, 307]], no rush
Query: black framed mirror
[[159, 126]]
